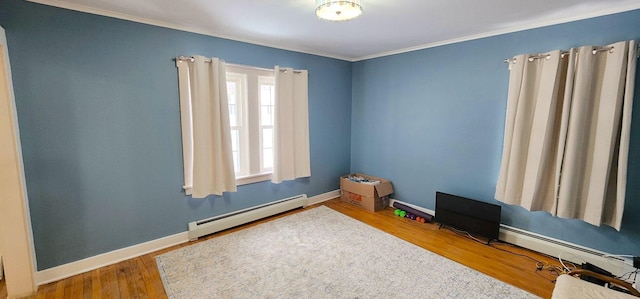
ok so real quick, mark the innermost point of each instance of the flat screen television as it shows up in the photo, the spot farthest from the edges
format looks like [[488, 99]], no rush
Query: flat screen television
[[465, 214]]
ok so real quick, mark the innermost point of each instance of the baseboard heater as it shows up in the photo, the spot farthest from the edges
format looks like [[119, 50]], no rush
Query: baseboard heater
[[218, 223], [618, 265]]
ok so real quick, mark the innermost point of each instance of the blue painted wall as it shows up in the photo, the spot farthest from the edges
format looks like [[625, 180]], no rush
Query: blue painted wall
[[97, 103], [433, 120], [98, 110]]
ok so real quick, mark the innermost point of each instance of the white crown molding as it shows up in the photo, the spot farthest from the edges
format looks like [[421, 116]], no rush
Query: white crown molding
[[533, 25], [127, 17]]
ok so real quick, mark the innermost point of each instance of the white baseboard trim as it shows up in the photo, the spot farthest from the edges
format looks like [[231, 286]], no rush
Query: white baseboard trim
[[112, 257], [108, 258], [323, 197], [554, 247], [522, 238]]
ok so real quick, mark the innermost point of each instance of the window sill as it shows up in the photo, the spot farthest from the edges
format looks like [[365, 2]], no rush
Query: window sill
[[250, 179], [243, 180]]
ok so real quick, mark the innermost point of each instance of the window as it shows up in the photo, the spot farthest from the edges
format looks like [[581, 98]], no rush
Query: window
[[266, 123], [251, 106], [246, 153]]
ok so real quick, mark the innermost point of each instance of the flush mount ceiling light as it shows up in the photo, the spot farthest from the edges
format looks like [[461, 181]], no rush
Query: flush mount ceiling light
[[335, 10]]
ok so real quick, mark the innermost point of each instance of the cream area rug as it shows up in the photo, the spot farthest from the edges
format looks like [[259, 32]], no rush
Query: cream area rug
[[320, 253]]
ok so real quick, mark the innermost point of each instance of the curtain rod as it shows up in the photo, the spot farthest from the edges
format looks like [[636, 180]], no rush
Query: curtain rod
[[533, 57], [190, 58], [564, 53]]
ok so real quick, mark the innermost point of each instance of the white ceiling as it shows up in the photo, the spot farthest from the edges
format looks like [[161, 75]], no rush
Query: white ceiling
[[386, 26]]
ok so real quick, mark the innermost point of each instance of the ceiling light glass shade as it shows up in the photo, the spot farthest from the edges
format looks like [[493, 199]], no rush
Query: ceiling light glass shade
[[335, 10]]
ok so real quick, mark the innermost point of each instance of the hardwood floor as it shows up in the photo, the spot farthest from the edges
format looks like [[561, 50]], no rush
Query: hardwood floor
[[139, 277], [3, 289]]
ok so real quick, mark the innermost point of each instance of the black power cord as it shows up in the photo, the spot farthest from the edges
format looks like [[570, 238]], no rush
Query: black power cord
[[555, 271]]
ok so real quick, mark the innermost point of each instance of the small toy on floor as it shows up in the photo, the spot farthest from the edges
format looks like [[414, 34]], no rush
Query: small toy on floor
[[404, 214], [418, 215]]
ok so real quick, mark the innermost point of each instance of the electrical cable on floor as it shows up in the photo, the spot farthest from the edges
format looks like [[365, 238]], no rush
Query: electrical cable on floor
[[538, 262], [624, 277], [555, 271], [627, 276], [544, 266], [466, 234], [567, 269]]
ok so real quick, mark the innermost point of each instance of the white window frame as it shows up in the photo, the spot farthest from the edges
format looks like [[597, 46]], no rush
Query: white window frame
[[242, 125], [262, 80], [252, 142]]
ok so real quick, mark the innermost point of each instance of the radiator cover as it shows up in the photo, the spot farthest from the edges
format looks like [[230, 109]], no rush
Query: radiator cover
[[218, 223]]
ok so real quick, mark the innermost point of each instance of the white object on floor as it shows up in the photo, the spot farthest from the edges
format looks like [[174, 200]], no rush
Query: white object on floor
[[569, 287]]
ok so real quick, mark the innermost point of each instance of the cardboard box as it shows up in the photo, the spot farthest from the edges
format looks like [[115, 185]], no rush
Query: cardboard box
[[368, 196]]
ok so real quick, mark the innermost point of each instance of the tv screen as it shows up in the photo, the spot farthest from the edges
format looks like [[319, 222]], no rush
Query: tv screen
[[465, 214]]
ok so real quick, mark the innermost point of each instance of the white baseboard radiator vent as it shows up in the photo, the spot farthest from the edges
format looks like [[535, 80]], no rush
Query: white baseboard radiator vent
[[618, 265], [218, 223]]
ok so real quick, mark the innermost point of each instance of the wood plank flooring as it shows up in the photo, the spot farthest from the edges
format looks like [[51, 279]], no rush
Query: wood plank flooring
[[139, 277]]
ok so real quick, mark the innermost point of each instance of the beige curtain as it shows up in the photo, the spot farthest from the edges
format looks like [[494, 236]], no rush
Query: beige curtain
[[529, 166], [593, 180], [567, 132], [206, 131], [291, 125]]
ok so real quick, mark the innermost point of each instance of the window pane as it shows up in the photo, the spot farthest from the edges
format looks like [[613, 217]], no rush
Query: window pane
[[267, 138], [233, 115], [266, 94], [266, 114], [232, 89], [266, 104], [267, 158], [251, 98], [235, 149], [236, 162], [235, 139]]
